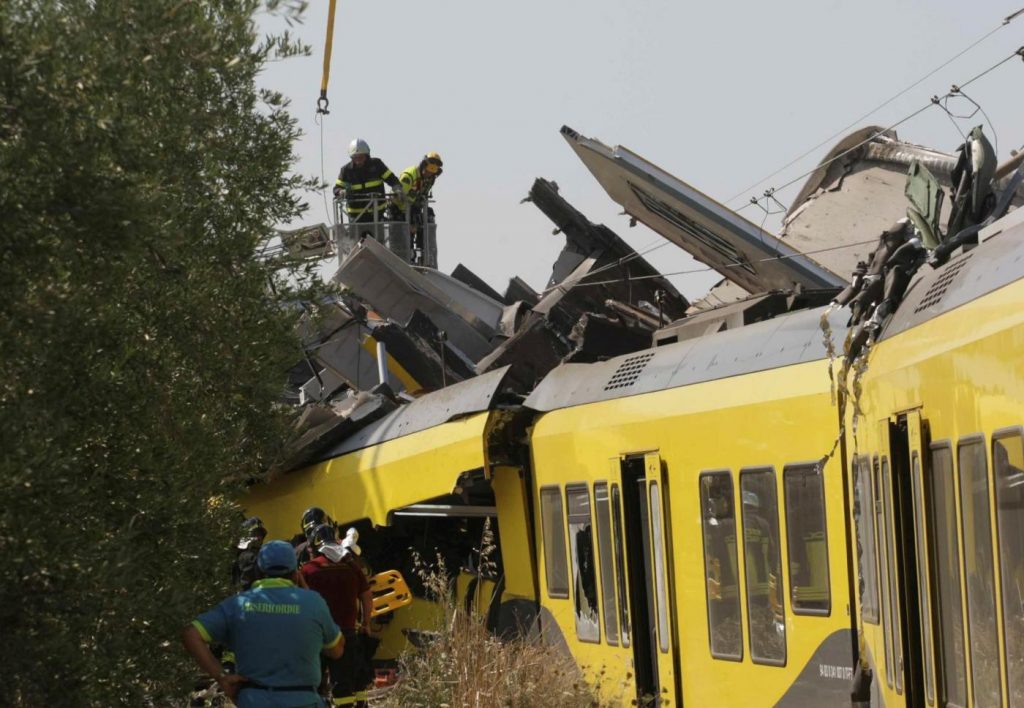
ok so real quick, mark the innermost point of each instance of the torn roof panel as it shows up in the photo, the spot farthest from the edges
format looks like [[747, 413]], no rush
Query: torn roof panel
[[455, 401], [397, 290], [709, 231]]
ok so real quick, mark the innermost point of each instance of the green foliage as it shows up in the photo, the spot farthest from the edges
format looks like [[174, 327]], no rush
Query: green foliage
[[141, 350]]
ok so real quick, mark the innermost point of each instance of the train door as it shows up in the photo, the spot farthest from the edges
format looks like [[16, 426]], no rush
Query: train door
[[923, 650], [649, 564], [909, 625]]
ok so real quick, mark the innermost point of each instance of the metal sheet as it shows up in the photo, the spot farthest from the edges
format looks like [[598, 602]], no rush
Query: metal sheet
[[709, 231], [397, 290], [790, 339], [487, 309], [455, 401]]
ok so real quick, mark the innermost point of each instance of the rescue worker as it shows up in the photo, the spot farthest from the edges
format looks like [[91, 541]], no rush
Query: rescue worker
[[335, 575], [417, 182], [277, 632], [361, 182], [311, 518], [243, 570]]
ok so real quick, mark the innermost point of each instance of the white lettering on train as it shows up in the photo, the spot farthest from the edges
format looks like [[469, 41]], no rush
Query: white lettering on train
[[831, 671]]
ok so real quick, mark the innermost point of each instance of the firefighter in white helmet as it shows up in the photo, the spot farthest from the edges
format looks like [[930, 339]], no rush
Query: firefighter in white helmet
[[361, 182]]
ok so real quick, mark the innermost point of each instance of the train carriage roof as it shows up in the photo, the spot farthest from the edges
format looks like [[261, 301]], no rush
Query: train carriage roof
[[789, 339], [459, 400], [783, 341]]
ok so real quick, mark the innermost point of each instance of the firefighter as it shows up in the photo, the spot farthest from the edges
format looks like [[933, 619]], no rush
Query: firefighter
[[361, 182], [417, 182], [243, 570], [334, 574]]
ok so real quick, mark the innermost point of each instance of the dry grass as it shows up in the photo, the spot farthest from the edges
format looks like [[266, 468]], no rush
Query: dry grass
[[466, 667]]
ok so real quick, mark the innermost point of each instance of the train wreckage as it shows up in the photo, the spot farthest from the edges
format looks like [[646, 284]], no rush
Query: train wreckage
[[399, 330]]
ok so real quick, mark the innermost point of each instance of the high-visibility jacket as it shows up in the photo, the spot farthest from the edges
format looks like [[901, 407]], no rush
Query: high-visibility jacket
[[414, 186], [364, 184]]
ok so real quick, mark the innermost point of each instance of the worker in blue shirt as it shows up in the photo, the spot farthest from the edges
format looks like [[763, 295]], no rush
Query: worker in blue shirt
[[277, 632]]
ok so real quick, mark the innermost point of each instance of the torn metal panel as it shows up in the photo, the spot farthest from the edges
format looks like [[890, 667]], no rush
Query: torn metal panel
[[710, 232], [756, 308], [485, 308], [456, 401], [617, 259], [416, 350], [518, 289], [465, 275], [851, 198], [354, 414], [397, 290], [531, 352], [513, 317], [638, 315], [598, 338], [345, 362]]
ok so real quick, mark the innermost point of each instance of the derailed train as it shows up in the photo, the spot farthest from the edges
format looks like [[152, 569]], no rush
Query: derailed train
[[883, 528]]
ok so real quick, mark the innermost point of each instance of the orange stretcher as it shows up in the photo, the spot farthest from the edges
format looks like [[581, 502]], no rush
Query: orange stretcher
[[390, 592]]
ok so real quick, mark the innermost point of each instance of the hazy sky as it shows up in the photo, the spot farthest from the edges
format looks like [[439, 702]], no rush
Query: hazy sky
[[719, 94]]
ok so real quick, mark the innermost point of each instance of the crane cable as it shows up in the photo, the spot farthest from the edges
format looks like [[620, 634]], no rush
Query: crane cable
[[322, 102]]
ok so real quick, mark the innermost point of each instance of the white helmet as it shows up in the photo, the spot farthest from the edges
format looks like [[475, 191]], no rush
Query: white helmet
[[358, 147]]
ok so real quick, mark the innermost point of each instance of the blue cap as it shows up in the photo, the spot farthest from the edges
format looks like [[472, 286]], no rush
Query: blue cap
[[277, 558]]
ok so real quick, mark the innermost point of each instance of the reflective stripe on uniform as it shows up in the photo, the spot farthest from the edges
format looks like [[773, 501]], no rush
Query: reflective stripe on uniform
[[356, 211], [366, 185], [346, 701], [202, 631]]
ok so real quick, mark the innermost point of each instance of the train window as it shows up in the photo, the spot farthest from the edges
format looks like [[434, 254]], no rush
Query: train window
[[581, 551], [763, 566], [807, 540], [660, 571], [620, 564], [604, 554], [863, 511], [945, 579], [1008, 468], [553, 529], [718, 511], [922, 574], [979, 563]]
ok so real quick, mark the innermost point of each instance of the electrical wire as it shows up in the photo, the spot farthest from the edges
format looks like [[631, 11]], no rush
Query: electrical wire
[[708, 269], [661, 243], [935, 100], [1007, 20]]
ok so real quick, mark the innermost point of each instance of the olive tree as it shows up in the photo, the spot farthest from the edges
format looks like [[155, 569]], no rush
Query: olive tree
[[143, 345]]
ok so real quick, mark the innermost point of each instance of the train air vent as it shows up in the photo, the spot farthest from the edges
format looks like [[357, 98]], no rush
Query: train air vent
[[628, 371], [941, 284]]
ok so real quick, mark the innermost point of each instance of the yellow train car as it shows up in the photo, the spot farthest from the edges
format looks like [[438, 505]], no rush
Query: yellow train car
[[938, 461], [420, 485], [695, 527], [648, 471]]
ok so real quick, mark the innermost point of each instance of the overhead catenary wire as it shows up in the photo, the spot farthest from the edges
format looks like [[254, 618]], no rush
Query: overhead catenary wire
[[707, 269], [935, 100], [1006, 20], [770, 193]]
